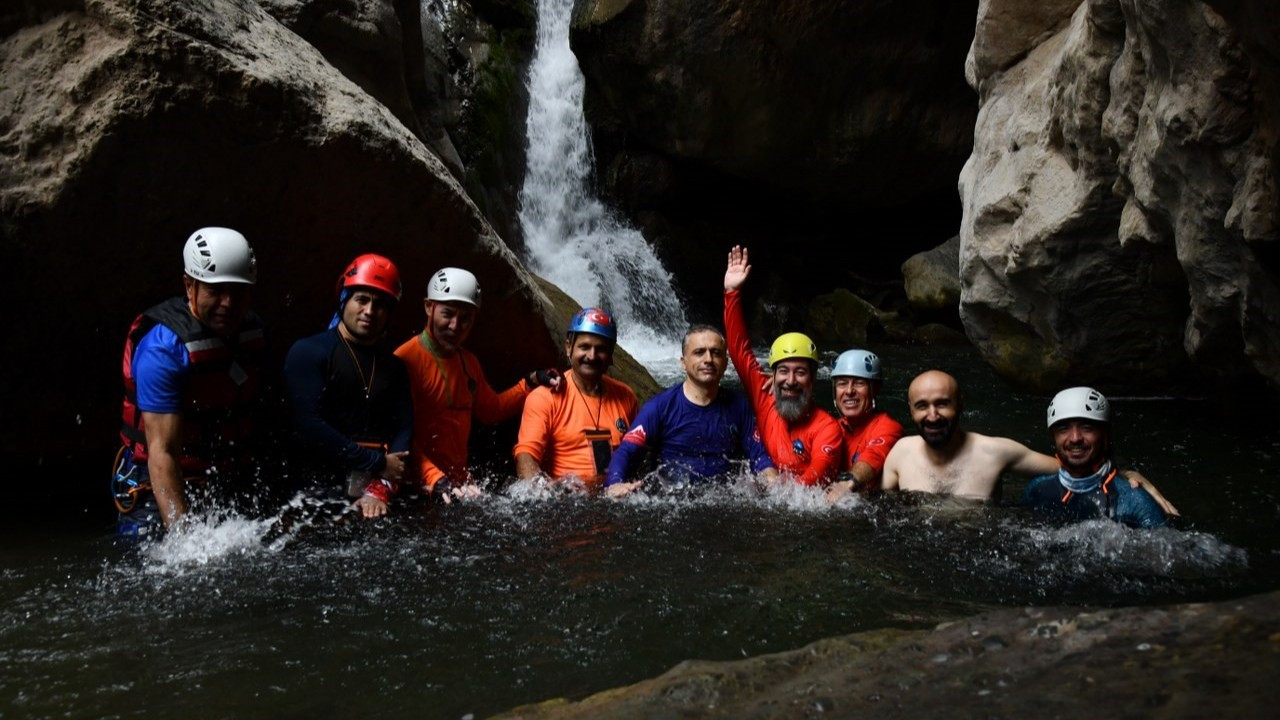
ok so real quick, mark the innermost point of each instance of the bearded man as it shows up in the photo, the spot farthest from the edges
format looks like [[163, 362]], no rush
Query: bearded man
[[945, 459], [806, 444]]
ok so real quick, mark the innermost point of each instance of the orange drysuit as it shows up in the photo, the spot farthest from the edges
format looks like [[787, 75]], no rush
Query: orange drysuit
[[447, 392]]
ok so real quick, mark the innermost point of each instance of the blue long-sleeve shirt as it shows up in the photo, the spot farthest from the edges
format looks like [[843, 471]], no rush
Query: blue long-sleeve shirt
[[692, 442], [1125, 504], [342, 395]]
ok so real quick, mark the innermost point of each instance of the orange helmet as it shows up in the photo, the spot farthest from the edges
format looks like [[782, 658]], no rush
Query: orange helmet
[[372, 271]]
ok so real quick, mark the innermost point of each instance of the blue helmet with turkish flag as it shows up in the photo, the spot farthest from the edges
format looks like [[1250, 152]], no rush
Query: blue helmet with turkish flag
[[595, 321]]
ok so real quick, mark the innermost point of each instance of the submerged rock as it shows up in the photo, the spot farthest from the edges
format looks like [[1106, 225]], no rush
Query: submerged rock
[[1197, 660], [1120, 204]]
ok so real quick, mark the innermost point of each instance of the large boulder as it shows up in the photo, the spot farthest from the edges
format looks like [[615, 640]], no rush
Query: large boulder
[[1194, 660], [804, 130], [127, 124], [1120, 203], [932, 278]]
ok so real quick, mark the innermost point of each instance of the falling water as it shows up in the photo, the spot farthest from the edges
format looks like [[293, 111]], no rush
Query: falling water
[[572, 238]]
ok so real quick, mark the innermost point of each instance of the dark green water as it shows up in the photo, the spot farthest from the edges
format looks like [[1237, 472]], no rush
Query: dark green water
[[472, 609]]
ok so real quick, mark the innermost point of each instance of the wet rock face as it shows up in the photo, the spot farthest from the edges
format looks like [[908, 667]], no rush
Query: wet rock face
[[1120, 202], [1211, 660], [127, 124], [818, 129]]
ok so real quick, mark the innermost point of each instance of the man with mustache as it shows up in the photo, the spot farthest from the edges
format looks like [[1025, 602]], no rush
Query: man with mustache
[[449, 388], [349, 396], [571, 435], [1084, 487], [695, 428], [948, 460], [805, 443], [191, 377], [869, 433]]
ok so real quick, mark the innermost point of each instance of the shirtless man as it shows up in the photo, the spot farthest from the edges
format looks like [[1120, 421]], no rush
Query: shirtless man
[[946, 460]]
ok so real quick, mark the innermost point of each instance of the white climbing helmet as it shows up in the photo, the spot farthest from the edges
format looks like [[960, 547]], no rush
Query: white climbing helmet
[[454, 284], [1079, 403], [219, 255], [857, 363]]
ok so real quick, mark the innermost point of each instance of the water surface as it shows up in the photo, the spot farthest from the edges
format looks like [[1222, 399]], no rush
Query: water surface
[[536, 593]]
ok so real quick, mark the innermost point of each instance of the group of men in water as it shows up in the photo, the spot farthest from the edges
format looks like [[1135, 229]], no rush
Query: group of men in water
[[375, 423]]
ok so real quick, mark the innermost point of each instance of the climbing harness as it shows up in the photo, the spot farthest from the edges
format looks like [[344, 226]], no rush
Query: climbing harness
[[126, 482]]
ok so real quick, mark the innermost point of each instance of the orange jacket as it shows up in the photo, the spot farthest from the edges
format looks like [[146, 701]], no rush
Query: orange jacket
[[447, 392], [553, 427]]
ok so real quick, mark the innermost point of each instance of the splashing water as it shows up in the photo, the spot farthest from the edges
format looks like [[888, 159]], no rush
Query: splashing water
[[572, 238]]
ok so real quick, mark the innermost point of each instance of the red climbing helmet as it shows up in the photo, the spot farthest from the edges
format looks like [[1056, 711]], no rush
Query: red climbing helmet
[[372, 271]]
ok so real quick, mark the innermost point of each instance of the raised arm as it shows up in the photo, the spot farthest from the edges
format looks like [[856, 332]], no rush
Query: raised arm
[[738, 269]]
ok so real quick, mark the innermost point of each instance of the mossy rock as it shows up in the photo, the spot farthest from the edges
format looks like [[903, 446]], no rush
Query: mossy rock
[[843, 319]]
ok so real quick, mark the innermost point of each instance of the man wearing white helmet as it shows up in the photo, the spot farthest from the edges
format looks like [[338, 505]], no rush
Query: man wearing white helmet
[[1084, 487], [945, 459], [869, 432], [804, 442], [191, 376], [449, 388]]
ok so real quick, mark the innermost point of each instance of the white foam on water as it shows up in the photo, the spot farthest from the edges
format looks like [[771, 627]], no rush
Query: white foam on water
[[571, 237], [199, 540], [1164, 552]]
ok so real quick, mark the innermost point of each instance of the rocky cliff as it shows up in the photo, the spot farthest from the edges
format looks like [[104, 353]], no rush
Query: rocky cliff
[[1120, 203], [126, 124]]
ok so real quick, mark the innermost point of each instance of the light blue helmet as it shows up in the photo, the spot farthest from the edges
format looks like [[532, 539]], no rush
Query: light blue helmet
[[857, 363]]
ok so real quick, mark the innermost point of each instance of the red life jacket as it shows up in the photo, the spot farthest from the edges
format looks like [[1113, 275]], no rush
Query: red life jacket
[[221, 390]]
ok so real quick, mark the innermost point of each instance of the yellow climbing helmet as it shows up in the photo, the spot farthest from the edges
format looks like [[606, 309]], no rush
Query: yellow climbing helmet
[[792, 345]]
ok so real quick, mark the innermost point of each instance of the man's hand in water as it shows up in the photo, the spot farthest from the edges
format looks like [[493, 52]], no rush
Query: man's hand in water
[[736, 273], [371, 507], [618, 490], [1136, 480]]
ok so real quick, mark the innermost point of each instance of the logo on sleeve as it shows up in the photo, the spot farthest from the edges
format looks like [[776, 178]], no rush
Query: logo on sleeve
[[830, 451], [622, 426], [636, 436], [876, 441]]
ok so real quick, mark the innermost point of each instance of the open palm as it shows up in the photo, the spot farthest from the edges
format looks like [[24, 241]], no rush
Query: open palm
[[738, 270]]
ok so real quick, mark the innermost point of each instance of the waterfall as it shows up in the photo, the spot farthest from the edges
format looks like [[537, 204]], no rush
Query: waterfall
[[571, 237]]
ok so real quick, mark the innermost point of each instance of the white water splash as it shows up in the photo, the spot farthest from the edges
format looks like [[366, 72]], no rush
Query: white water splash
[[572, 239], [1164, 552], [199, 540]]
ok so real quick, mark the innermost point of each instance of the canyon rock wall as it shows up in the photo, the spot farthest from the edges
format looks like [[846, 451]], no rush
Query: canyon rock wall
[[1120, 203]]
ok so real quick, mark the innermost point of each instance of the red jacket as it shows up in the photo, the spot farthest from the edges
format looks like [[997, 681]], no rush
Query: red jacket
[[810, 450]]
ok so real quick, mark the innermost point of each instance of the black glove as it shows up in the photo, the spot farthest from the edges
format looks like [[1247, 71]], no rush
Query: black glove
[[443, 487], [543, 378]]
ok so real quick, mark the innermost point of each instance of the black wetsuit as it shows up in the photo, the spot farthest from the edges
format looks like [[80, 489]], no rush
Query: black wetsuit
[[346, 400]]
